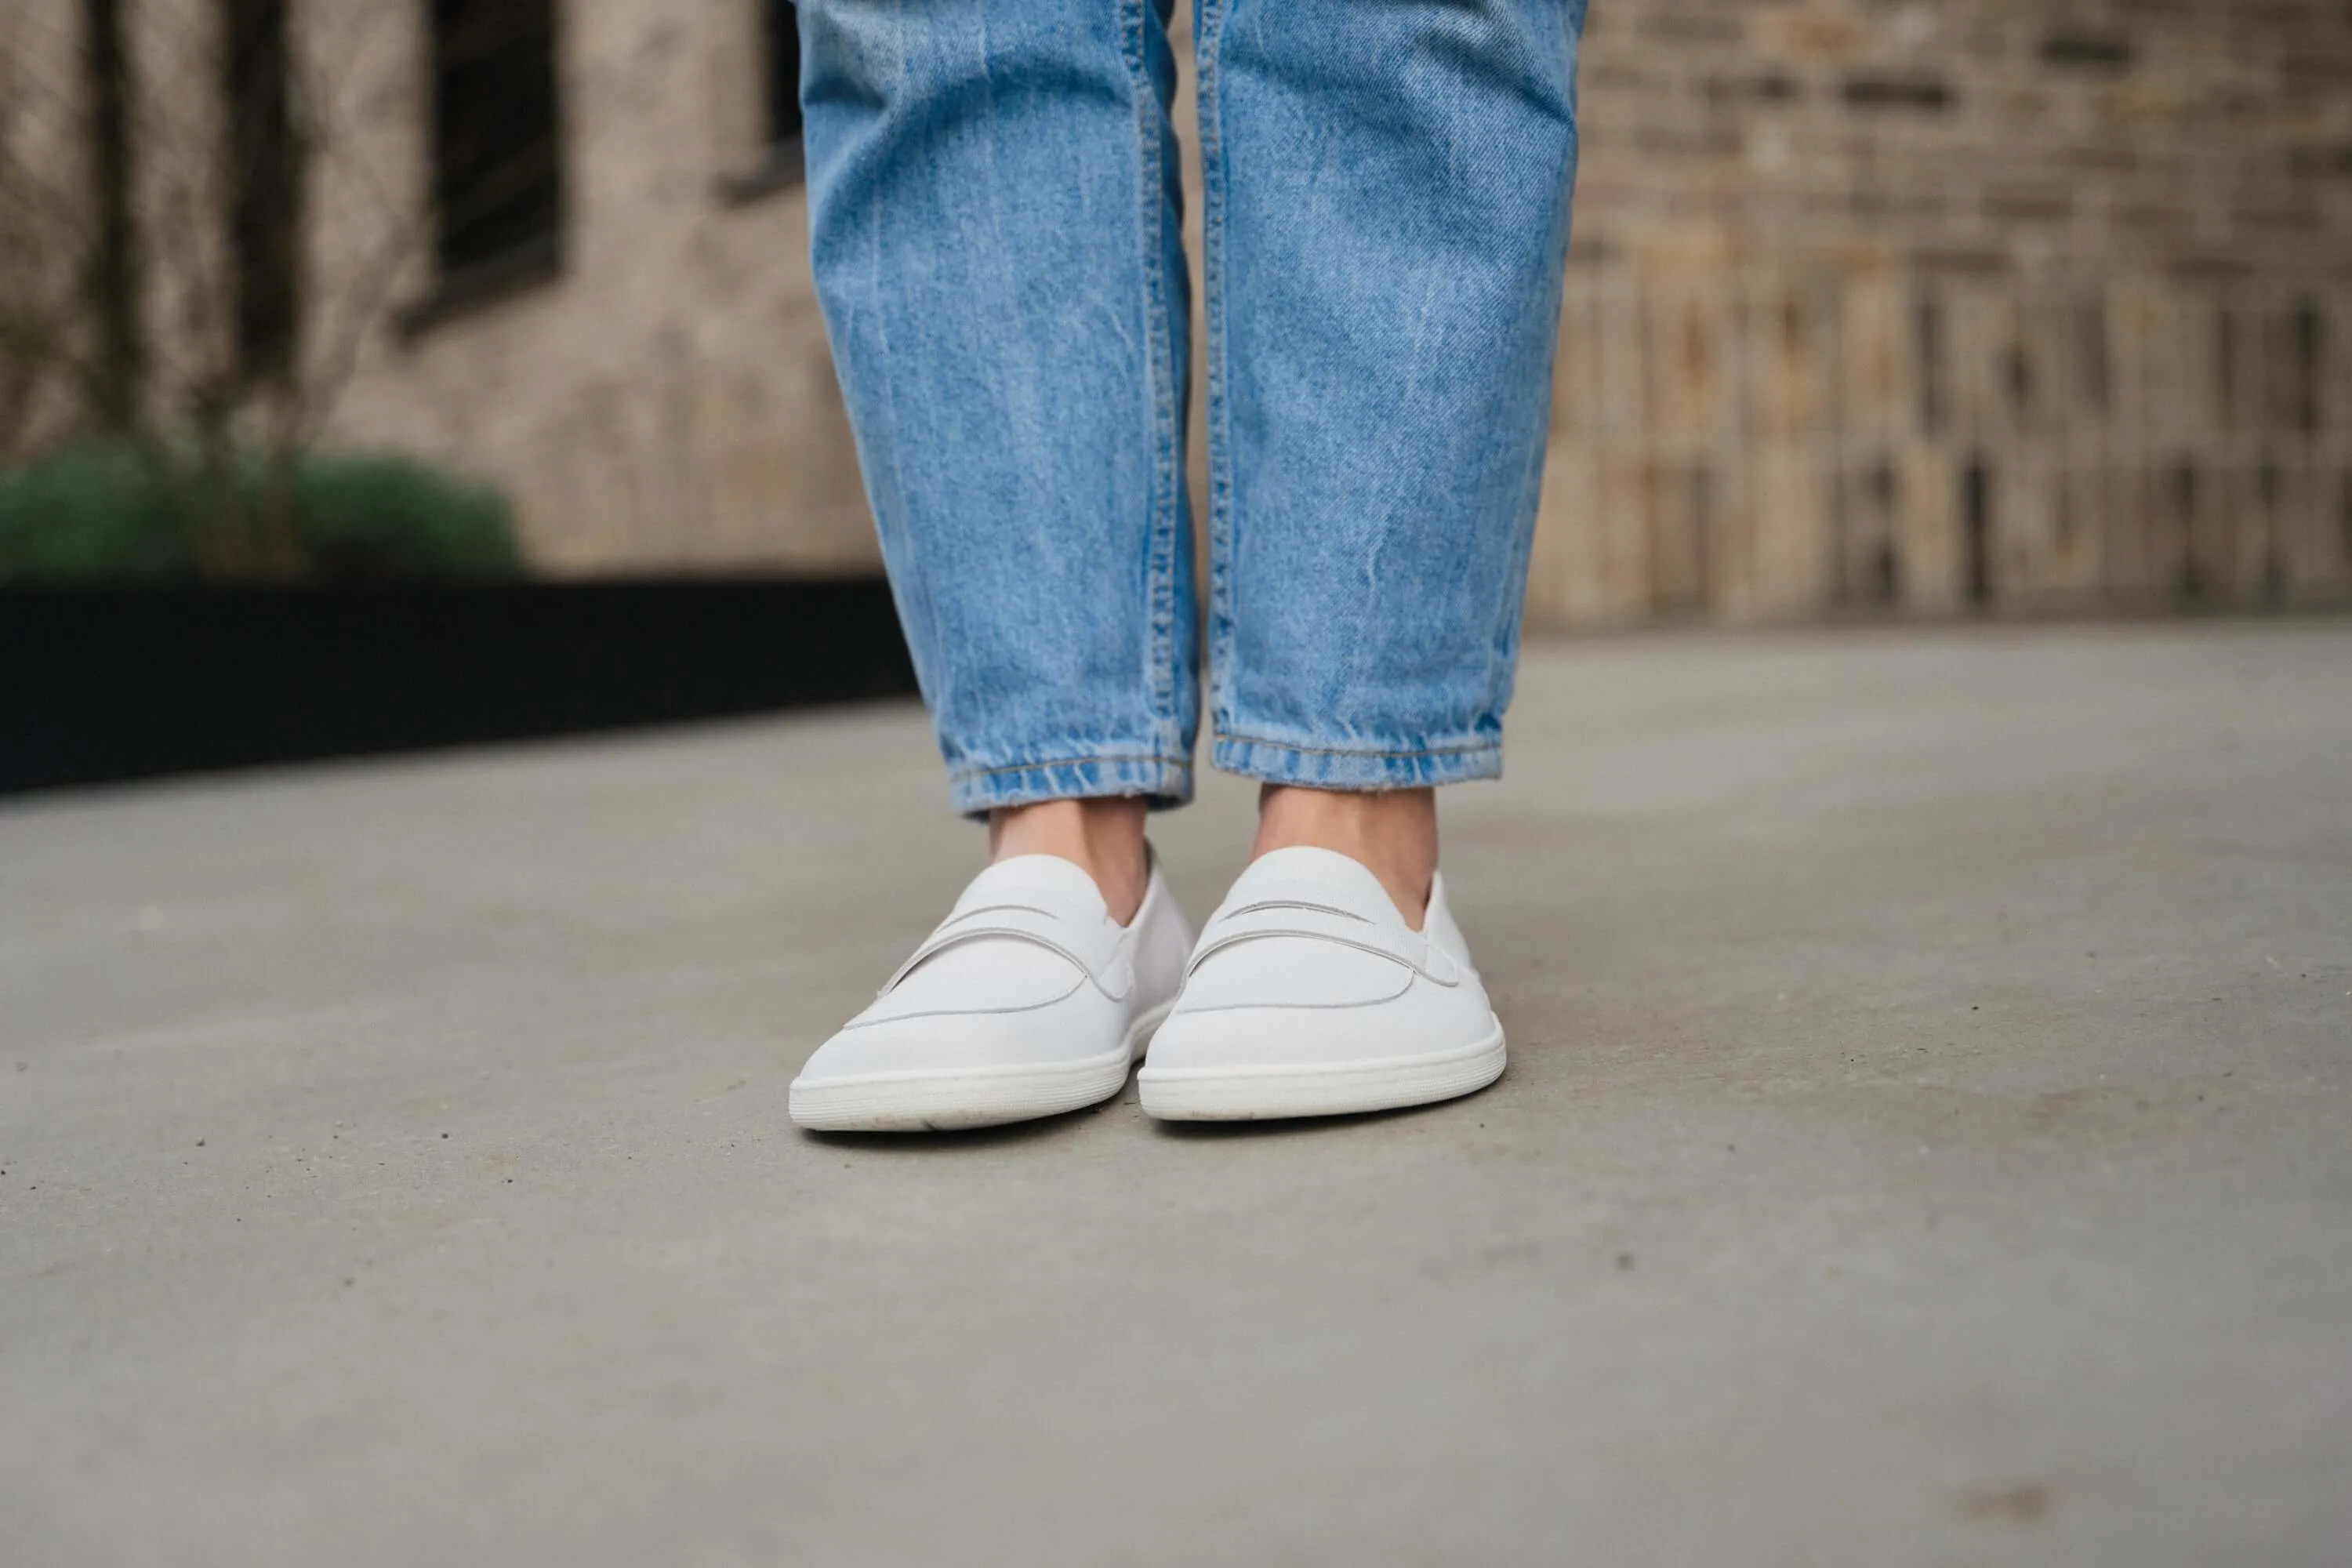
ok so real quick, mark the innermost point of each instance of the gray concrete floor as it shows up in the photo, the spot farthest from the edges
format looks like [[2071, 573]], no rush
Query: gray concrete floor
[[1926, 1141]]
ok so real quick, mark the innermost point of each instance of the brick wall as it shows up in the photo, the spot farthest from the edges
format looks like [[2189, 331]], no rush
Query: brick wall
[[1916, 306]]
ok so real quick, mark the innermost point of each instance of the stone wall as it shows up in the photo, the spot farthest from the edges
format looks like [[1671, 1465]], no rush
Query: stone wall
[[2012, 302]]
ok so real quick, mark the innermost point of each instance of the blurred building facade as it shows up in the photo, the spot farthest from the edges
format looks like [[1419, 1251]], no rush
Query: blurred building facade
[[2026, 303], [1906, 307], [653, 385]]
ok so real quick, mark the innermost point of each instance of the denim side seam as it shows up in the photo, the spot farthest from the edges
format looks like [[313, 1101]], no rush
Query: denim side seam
[[1164, 781], [1527, 504], [1282, 762], [1160, 642], [1208, 40]]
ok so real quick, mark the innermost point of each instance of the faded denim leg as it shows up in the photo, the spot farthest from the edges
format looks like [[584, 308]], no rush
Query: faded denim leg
[[994, 206], [1388, 189]]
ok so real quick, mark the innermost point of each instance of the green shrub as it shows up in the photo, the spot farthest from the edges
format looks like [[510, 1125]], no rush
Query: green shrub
[[118, 513]]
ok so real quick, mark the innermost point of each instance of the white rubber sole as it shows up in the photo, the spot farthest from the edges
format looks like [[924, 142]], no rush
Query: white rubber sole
[[926, 1101], [1327, 1088]]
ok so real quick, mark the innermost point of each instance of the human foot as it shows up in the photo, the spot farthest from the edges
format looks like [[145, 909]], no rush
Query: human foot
[[1103, 837], [1312, 995], [1390, 833], [1028, 1000]]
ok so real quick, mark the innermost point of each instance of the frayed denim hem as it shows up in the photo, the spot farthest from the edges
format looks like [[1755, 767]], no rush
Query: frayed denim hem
[[1163, 782], [1273, 761]]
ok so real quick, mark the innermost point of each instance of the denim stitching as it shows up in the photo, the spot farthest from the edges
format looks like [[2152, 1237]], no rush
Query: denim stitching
[[909, 548], [1526, 506], [959, 774], [1160, 652], [1208, 41], [1229, 738]]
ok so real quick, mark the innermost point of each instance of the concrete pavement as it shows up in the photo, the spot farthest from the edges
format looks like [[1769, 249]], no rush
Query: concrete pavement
[[1929, 1140]]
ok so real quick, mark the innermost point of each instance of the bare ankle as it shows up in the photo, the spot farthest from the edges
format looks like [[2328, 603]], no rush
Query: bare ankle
[[1393, 832], [1103, 837]]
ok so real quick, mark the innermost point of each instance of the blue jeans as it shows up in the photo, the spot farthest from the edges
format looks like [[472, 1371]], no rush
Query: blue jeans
[[995, 206]]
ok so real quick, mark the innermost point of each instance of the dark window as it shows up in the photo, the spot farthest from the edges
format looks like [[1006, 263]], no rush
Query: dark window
[[2310, 359], [2091, 329], [1898, 92], [2087, 51], [1928, 326], [265, 185], [1976, 529], [778, 165], [498, 179], [781, 44]]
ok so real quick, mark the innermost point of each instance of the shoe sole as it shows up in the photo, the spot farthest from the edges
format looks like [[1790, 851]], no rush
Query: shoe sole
[[928, 1101], [1332, 1089]]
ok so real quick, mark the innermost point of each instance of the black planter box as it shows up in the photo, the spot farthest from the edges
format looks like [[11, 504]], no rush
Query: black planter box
[[121, 683]]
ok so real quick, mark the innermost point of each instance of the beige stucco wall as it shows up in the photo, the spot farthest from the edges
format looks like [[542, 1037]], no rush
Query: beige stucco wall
[[667, 404], [43, 217]]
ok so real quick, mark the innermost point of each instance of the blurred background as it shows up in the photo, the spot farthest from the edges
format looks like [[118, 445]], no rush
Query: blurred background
[[490, 323], [1931, 1035]]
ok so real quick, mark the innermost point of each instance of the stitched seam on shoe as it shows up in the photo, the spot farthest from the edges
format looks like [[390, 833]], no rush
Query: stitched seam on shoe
[[1210, 945], [1292, 904], [967, 1012], [937, 944], [994, 910]]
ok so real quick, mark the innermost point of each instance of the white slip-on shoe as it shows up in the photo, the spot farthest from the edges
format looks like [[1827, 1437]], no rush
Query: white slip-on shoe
[[1309, 996], [1028, 1000]]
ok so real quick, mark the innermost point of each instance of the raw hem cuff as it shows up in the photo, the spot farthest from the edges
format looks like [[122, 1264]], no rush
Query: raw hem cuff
[[1273, 761], [1161, 781]]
